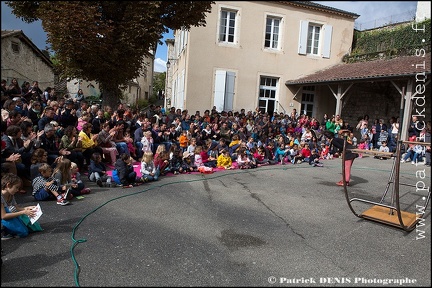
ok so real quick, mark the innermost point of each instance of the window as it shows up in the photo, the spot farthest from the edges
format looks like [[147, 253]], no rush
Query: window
[[272, 33], [308, 96], [315, 39], [267, 94], [224, 90], [227, 26], [15, 47]]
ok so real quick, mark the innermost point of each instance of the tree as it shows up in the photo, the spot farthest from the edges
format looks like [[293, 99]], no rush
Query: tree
[[158, 83], [106, 41]]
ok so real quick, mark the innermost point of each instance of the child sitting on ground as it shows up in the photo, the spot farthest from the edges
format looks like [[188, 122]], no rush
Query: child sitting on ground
[[125, 171], [76, 179], [45, 187], [188, 164], [12, 214], [383, 148], [243, 160], [176, 161], [149, 171], [314, 159], [97, 170], [224, 160], [161, 159], [63, 174]]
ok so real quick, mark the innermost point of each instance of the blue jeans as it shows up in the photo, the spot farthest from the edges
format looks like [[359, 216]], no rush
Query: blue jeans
[[139, 151], [413, 155], [43, 195], [122, 148], [152, 178]]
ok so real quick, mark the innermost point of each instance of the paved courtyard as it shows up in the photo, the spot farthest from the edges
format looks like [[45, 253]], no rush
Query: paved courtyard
[[282, 225]]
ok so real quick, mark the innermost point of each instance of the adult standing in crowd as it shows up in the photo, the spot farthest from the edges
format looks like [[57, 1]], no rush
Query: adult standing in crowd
[[338, 144]]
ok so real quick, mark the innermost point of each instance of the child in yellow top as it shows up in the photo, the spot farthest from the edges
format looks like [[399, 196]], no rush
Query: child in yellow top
[[224, 160]]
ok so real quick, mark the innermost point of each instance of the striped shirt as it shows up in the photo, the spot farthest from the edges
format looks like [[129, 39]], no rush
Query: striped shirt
[[39, 182]]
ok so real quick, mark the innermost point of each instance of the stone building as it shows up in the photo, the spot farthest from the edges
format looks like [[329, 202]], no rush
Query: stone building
[[21, 59]]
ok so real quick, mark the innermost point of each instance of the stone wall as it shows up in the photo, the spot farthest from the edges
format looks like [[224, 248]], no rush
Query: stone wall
[[25, 65], [378, 100]]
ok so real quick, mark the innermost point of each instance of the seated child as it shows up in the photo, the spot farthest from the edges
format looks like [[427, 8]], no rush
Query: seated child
[[224, 160], [188, 164], [76, 179], [13, 214], [149, 171], [281, 153], [45, 187], [125, 171], [314, 159], [97, 170], [243, 160], [63, 175], [383, 148], [325, 150], [176, 161]]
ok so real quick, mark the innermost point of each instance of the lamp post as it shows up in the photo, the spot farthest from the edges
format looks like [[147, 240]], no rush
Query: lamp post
[[168, 64], [168, 96]]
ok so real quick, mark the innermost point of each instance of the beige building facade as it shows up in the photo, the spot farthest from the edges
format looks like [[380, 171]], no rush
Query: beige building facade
[[249, 49], [137, 89]]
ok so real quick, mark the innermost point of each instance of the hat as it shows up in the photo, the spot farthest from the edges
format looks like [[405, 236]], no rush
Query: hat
[[69, 101], [186, 154]]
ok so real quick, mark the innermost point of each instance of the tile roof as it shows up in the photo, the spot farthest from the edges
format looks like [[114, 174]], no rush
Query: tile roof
[[315, 6], [398, 67]]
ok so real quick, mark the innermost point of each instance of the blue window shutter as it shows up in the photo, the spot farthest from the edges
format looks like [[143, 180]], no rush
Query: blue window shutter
[[328, 29], [303, 37], [219, 90]]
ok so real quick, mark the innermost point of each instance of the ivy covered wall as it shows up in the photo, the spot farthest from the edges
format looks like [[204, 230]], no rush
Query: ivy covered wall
[[390, 41]]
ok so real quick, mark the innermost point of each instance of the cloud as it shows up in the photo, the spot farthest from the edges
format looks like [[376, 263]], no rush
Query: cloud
[[159, 65]]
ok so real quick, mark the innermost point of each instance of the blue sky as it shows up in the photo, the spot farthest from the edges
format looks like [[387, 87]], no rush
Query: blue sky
[[370, 13]]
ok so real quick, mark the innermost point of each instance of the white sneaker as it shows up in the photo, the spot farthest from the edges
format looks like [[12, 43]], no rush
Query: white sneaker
[[403, 161], [413, 163]]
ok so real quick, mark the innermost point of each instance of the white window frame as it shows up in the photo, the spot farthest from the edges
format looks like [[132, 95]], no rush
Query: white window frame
[[308, 92], [272, 89], [324, 42], [278, 34], [313, 39], [235, 33]]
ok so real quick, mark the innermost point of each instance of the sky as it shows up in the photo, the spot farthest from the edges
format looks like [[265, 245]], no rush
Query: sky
[[371, 13]]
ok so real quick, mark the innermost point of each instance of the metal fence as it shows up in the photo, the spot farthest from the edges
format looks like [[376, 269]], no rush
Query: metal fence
[[385, 21]]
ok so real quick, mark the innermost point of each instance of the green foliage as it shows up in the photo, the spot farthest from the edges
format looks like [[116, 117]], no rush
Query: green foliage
[[392, 40], [106, 41], [144, 103], [158, 83]]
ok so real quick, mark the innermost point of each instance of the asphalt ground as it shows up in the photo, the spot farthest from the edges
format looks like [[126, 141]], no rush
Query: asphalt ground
[[282, 225]]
